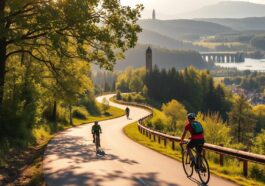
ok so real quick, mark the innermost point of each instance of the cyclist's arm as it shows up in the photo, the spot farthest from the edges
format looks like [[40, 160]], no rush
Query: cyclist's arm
[[92, 130], [183, 135], [100, 129]]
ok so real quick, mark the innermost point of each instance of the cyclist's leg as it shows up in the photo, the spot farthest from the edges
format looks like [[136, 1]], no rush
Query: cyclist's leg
[[99, 140], [93, 137], [199, 148], [190, 145]]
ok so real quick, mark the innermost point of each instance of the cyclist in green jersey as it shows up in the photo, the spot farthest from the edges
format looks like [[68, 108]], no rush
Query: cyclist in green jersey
[[96, 130]]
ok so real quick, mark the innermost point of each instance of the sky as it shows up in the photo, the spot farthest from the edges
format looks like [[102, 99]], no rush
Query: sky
[[173, 7]]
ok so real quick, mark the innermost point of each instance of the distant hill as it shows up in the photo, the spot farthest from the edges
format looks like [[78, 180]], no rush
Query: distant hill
[[164, 58], [183, 29], [251, 23], [228, 9], [153, 38]]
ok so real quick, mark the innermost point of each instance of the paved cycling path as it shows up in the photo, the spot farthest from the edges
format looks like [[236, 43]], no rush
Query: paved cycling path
[[70, 159]]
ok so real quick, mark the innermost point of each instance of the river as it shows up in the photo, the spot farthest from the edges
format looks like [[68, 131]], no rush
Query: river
[[249, 64]]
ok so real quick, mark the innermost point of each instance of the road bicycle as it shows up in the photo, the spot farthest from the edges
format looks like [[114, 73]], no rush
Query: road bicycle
[[97, 143], [197, 162]]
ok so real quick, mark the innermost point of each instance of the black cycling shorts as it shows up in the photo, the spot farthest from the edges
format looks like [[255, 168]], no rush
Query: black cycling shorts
[[198, 144]]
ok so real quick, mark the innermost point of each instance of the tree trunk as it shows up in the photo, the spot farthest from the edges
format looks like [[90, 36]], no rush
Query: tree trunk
[[2, 52], [71, 117], [54, 111], [2, 69]]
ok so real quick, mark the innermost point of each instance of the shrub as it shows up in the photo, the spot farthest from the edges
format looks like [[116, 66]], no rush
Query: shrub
[[80, 113], [118, 95]]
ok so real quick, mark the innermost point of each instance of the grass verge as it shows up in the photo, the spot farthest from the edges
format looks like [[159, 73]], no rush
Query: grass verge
[[228, 172], [24, 168]]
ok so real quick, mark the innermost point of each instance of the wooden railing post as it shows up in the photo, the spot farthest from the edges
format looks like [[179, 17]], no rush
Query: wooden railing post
[[245, 168], [173, 145], [154, 137], [165, 142], [221, 157], [150, 135], [159, 139]]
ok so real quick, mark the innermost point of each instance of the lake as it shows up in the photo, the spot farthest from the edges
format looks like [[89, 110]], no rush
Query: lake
[[249, 64]]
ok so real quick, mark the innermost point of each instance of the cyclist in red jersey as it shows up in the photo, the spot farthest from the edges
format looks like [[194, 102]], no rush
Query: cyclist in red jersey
[[196, 140]]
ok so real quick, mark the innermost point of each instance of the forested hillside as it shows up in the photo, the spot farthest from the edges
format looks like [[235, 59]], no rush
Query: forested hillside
[[153, 38], [243, 24], [163, 58], [183, 29]]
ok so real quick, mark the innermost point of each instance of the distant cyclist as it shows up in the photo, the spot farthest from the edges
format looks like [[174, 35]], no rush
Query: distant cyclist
[[96, 131], [197, 136], [127, 111]]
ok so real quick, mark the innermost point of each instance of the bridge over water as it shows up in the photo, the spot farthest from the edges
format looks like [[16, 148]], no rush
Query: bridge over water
[[223, 57]]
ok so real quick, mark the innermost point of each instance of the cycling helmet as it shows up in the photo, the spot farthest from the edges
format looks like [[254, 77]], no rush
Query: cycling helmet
[[191, 116]]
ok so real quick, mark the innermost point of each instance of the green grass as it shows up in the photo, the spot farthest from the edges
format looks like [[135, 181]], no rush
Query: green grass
[[113, 112], [231, 172]]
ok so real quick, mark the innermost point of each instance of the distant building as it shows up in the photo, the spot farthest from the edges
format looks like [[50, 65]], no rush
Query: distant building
[[154, 15], [148, 59]]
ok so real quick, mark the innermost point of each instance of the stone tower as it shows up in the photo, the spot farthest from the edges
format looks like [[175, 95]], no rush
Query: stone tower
[[154, 14], [148, 59]]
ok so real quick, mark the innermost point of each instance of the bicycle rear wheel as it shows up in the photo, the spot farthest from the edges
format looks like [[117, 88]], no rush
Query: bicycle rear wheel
[[97, 142], [187, 164], [204, 171]]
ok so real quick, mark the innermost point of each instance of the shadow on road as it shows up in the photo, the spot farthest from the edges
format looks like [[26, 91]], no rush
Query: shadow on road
[[69, 177], [75, 152], [74, 149], [196, 181]]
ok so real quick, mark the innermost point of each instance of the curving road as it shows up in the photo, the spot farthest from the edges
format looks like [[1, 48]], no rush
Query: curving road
[[70, 159]]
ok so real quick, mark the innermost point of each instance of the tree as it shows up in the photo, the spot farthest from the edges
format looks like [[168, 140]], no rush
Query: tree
[[216, 131], [242, 120], [105, 105], [96, 31], [136, 84], [259, 143], [259, 112], [175, 111]]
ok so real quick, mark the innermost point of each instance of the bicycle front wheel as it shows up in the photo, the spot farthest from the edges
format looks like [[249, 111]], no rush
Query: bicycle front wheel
[[204, 170], [187, 164]]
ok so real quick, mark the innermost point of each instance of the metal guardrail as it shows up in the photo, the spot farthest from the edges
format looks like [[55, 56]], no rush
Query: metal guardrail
[[222, 151]]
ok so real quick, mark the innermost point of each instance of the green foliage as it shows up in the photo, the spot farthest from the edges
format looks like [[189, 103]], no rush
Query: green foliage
[[253, 81], [118, 95], [80, 113], [131, 80], [242, 120], [195, 89], [259, 112], [105, 105], [216, 131], [133, 97], [176, 112], [259, 143]]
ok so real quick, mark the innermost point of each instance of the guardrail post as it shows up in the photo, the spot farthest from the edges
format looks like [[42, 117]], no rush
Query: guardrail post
[[173, 145], [159, 139], [245, 168], [165, 142], [154, 137], [146, 133], [150, 135], [221, 157]]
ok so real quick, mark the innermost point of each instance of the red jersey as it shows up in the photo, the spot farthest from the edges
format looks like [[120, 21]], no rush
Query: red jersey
[[193, 136]]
